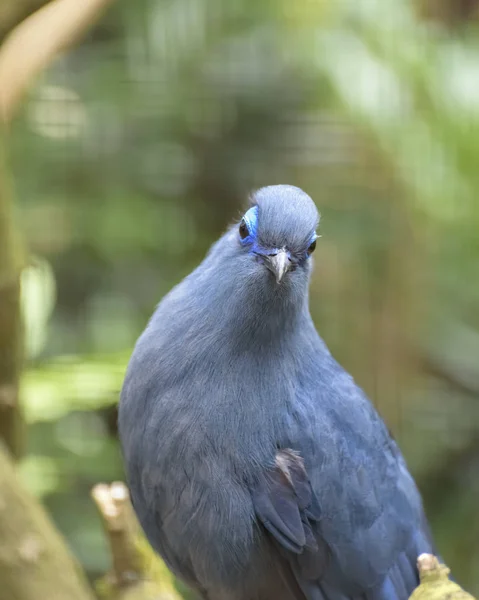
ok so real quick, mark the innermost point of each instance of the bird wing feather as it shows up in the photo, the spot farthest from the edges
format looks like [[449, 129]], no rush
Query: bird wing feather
[[287, 507]]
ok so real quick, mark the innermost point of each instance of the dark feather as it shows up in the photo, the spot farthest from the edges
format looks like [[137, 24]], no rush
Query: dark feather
[[283, 501]]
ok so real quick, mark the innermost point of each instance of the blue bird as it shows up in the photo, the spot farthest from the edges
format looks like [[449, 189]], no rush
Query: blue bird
[[257, 467]]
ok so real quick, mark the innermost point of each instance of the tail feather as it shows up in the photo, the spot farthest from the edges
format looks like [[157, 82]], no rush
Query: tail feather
[[397, 580], [399, 583], [386, 591], [312, 590]]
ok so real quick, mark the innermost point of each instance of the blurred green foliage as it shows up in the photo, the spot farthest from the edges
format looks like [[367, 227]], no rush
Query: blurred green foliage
[[136, 150]]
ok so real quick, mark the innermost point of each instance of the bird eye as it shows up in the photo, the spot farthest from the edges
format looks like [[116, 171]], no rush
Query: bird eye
[[312, 247], [243, 230]]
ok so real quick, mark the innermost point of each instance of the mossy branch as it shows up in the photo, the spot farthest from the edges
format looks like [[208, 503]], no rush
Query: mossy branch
[[34, 559], [435, 583]]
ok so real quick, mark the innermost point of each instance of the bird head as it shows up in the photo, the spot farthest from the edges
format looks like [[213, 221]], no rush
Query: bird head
[[278, 231]]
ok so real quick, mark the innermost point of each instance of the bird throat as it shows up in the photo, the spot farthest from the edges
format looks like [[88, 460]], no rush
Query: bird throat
[[268, 315]]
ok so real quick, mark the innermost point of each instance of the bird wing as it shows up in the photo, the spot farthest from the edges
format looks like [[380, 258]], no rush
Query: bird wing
[[288, 509]]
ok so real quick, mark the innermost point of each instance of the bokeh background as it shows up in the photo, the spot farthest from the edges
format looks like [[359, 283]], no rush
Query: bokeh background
[[137, 148]]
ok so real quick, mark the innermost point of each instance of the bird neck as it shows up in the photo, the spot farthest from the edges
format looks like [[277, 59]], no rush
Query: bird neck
[[244, 304], [261, 316]]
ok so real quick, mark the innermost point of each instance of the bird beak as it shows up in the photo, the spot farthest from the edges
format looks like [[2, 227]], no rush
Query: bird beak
[[279, 264]]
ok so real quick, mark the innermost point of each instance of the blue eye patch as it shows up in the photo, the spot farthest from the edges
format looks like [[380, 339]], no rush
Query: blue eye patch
[[251, 220]]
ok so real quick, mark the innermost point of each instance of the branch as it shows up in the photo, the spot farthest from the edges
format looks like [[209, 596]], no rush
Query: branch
[[34, 560], [37, 41], [435, 583], [137, 573], [14, 11], [114, 506]]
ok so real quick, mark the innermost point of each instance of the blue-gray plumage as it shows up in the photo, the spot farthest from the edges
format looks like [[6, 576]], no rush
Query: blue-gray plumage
[[258, 469]]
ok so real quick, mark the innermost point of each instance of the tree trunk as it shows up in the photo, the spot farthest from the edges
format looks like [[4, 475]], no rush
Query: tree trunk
[[11, 427], [34, 560], [29, 49]]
